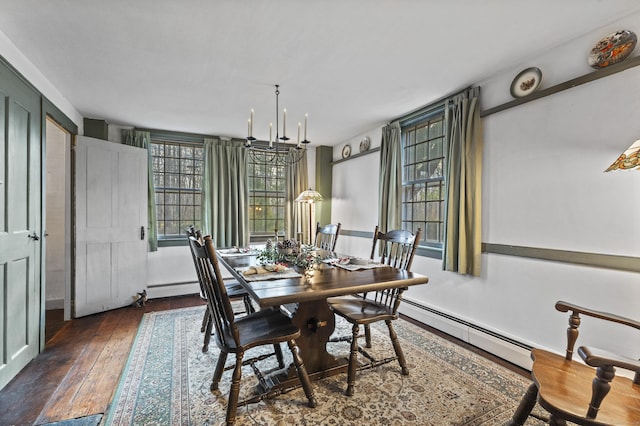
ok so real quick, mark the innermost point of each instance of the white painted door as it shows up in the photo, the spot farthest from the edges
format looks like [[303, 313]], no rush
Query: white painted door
[[20, 225], [111, 224]]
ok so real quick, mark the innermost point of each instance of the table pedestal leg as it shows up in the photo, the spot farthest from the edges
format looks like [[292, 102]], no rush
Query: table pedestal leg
[[316, 323]]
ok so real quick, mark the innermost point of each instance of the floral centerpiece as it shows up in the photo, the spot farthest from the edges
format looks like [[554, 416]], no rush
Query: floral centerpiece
[[308, 258], [288, 252]]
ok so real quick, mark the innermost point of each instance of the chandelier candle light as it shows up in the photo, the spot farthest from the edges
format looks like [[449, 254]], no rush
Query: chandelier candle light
[[277, 150]]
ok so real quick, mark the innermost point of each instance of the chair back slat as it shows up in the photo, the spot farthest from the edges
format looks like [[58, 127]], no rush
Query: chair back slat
[[327, 236], [397, 249], [215, 291]]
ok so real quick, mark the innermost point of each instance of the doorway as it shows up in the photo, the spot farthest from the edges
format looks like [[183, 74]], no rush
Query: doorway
[[57, 225]]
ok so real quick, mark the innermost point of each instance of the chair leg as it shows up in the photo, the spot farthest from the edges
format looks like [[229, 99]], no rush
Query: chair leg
[[217, 374], [367, 335], [302, 373], [207, 333], [396, 347], [524, 408], [234, 391], [278, 350], [353, 361], [205, 320]]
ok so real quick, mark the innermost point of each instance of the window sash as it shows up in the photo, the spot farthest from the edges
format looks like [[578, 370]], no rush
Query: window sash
[[267, 197], [177, 173], [423, 184]]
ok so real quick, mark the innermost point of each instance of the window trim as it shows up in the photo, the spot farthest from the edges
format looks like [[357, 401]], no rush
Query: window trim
[[264, 236], [436, 109], [176, 138]]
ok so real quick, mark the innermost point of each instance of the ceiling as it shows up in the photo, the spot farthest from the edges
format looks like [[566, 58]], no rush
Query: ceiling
[[200, 65]]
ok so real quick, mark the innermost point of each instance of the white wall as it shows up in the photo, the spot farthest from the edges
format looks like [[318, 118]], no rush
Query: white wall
[[543, 187], [11, 53]]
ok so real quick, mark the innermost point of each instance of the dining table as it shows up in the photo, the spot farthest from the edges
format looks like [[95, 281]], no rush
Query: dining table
[[303, 294]]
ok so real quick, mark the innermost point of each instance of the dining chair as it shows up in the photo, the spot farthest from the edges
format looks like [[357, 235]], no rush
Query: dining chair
[[397, 249], [238, 334], [589, 393], [234, 290], [327, 236]]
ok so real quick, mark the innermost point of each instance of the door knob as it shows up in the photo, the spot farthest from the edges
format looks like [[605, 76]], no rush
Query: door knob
[[34, 236]]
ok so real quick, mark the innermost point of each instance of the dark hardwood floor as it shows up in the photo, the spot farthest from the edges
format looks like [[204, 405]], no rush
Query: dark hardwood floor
[[78, 372]]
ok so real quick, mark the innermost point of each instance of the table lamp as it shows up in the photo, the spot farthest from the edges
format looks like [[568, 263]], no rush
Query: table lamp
[[310, 197]]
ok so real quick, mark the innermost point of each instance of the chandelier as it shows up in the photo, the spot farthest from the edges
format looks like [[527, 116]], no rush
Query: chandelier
[[278, 150]]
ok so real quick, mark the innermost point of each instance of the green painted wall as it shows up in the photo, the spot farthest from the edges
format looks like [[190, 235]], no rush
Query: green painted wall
[[324, 172]]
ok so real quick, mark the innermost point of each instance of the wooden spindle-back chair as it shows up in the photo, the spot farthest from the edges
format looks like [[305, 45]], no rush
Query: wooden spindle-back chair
[[235, 291], [590, 394], [398, 248], [327, 236], [237, 335]]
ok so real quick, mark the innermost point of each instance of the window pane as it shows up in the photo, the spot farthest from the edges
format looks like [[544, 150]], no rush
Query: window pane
[[172, 165], [432, 233], [421, 134], [421, 152], [435, 129], [435, 168], [418, 211], [435, 148], [172, 227], [433, 211]]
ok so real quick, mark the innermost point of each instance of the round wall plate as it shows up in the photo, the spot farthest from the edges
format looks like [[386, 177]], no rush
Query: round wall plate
[[365, 144], [612, 49], [346, 151], [526, 82]]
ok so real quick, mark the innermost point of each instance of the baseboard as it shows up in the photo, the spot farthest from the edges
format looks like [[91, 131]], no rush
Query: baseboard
[[502, 346], [155, 291], [54, 304]]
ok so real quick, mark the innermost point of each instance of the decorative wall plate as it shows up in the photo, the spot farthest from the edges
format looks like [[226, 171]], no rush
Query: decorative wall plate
[[346, 151], [365, 144], [612, 49], [526, 82]]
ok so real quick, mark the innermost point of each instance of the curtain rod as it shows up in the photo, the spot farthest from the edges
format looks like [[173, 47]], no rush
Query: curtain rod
[[186, 136], [429, 106]]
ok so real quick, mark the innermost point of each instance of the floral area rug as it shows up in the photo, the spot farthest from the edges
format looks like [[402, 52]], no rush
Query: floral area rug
[[167, 377]]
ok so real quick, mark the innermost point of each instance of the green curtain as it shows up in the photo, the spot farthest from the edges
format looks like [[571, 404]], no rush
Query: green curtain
[[142, 139], [297, 180], [463, 174], [390, 183], [225, 196]]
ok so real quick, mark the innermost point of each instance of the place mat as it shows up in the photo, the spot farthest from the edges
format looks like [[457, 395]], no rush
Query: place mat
[[353, 267]]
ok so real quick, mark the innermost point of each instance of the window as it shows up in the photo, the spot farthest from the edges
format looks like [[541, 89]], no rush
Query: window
[[266, 197], [423, 186], [177, 175]]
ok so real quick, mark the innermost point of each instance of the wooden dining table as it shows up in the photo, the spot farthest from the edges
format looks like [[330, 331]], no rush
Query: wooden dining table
[[305, 299]]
